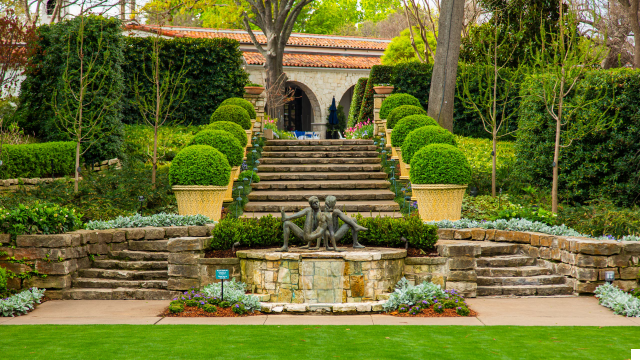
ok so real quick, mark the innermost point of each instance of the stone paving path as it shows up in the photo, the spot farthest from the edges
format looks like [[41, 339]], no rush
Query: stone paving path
[[532, 311]]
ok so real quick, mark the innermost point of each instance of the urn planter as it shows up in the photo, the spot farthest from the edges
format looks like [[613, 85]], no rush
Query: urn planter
[[383, 89], [438, 202], [254, 90], [404, 167], [202, 200], [228, 196]]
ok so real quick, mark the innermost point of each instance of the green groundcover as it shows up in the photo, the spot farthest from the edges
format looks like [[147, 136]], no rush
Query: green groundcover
[[315, 342]]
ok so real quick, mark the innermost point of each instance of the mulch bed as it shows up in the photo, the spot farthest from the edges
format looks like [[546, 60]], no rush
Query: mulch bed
[[194, 311], [430, 313]]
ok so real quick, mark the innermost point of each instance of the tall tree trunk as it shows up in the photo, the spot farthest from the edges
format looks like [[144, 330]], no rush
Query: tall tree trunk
[[275, 83], [556, 152], [77, 177], [445, 67]]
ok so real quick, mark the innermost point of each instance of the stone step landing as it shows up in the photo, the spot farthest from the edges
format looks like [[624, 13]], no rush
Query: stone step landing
[[119, 294]]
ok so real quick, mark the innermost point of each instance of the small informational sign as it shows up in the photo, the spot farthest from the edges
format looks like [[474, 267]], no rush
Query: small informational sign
[[222, 274]]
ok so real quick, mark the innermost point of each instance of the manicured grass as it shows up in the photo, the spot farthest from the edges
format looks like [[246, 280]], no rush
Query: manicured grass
[[315, 342]]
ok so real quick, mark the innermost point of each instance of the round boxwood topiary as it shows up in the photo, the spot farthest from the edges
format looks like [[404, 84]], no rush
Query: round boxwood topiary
[[401, 112], [234, 113], [200, 165], [222, 141], [236, 130], [408, 124], [243, 103], [423, 136], [440, 164], [395, 100]]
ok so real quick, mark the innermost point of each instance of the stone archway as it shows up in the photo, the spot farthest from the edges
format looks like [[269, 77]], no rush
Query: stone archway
[[345, 100], [304, 111]]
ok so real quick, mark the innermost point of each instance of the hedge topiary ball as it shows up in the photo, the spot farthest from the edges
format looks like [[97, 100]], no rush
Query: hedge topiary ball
[[422, 137], [440, 164], [401, 112], [245, 104], [407, 125], [395, 100], [200, 165], [222, 141], [236, 130], [234, 113]]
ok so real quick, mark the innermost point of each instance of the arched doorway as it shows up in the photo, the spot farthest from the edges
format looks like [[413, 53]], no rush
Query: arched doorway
[[300, 113], [345, 101]]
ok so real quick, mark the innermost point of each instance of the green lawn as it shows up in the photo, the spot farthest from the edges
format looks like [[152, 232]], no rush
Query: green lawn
[[315, 342]]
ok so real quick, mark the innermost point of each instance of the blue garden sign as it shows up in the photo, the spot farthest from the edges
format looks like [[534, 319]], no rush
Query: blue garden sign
[[222, 274]]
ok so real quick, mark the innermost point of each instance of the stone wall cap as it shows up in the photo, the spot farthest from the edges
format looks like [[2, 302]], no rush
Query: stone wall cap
[[218, 261]]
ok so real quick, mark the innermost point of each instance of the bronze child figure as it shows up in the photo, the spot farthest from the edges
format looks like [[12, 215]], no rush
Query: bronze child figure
[[349, 224], [308, 234]]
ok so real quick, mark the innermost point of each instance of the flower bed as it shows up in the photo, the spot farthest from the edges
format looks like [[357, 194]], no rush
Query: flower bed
[[21, 303], [138, 220], [425, 300], [208, 302], [621, 302]]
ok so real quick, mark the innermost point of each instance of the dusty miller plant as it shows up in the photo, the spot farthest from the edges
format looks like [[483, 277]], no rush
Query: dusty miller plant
[[407, 294], [234, 292], [621, 302], [138, 220]]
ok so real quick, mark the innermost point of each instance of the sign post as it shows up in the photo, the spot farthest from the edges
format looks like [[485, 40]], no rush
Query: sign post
[[222, 275]]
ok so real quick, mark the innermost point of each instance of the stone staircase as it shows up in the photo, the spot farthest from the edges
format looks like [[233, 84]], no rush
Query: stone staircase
[[506, 270], [291, 171], [139, 272]]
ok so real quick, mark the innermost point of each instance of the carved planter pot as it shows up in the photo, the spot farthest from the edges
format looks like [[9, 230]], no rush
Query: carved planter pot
[[203, 200], [228, 196], [253, 90], [383, 89], [439, 202]]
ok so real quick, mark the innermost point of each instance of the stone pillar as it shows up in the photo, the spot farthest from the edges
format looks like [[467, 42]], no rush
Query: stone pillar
[[320, 128], [184, 269], [461, 267], [258, 102], [379, 125]]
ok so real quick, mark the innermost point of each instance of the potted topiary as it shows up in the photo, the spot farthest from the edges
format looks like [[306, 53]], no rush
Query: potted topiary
[[236, 114], [401, 112], [383, 88], [229, 146], [236, 130], [199, 176], [253, 89], [421, 137], [245, 104], [402, 130], [391, 103], [439, 177]]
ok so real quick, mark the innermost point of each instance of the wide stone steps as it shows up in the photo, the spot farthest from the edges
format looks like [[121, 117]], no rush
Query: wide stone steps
[[525, 290], [490, 248], [115, 283], [124, 274], [320, 185], [324, 168], [521, 280], [130, 265], [155, 245], [139, 255], [320, 154], [350, 206], [309, 176], [120, 294], [505, 261], [513, 271], [304, 195], [320, 160]]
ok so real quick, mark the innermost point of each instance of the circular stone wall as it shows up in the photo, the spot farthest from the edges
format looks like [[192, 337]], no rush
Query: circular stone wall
[[300, 276]]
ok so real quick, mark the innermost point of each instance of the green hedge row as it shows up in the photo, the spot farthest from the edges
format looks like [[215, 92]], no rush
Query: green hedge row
[[38, 160], [356, 102], [379, 74], [267, 231]]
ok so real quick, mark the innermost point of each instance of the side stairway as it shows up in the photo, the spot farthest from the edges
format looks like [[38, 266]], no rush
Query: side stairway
[[291, 171], [506, 270], [137, 273]]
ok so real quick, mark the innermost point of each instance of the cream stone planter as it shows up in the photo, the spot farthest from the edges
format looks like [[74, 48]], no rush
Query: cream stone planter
[[383, 89], [439, 201], [237, 172], [249, 133], [404, 167], [228, 196], [388, 139], [200, 200]]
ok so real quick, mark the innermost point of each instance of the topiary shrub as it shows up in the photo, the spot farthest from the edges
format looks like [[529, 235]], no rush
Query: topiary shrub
[[407, 125], [401, 112], [222, 141], [234, 113], [440, 164], [200, 165], [421, 137], [245, 104], [236, 130], [395, 100]]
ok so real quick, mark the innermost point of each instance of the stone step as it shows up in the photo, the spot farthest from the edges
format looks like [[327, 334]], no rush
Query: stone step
[[285, 142], [257, 215], [319, 160], [318, 148], [130, 265], [505, 261], [114, 283], [289, 176], [124, 274], [149, 245], [524, 290], [349, 206], [327, 168], [304, 195], [139, 255], [320, 185], [521, 280], [120, 294], [513, 271], [490, 248], [320, 154]]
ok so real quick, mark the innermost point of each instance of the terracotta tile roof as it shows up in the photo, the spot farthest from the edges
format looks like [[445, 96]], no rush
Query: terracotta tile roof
[[318, 60], [296, 39]]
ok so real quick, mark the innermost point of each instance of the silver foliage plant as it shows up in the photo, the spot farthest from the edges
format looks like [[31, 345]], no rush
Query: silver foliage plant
[[407, 294], [234, 292], [138, 220], [621, 302], [520, 225], [21, 302]]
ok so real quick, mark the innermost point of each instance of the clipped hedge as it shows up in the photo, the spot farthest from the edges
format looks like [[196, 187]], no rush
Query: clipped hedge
[[245, 104], [236, 130], [222, 141], [401, 112], [356, 101], [233, 113], [380, 74], [395, 100], [421, 137], [38, 160], [200, 165], [440, 164], [407, 125], [213, 72], [267, 231]]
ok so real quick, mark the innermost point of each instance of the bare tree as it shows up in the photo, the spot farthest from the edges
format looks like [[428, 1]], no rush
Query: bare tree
[[277, 96], [61, 9], [633, 8]]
